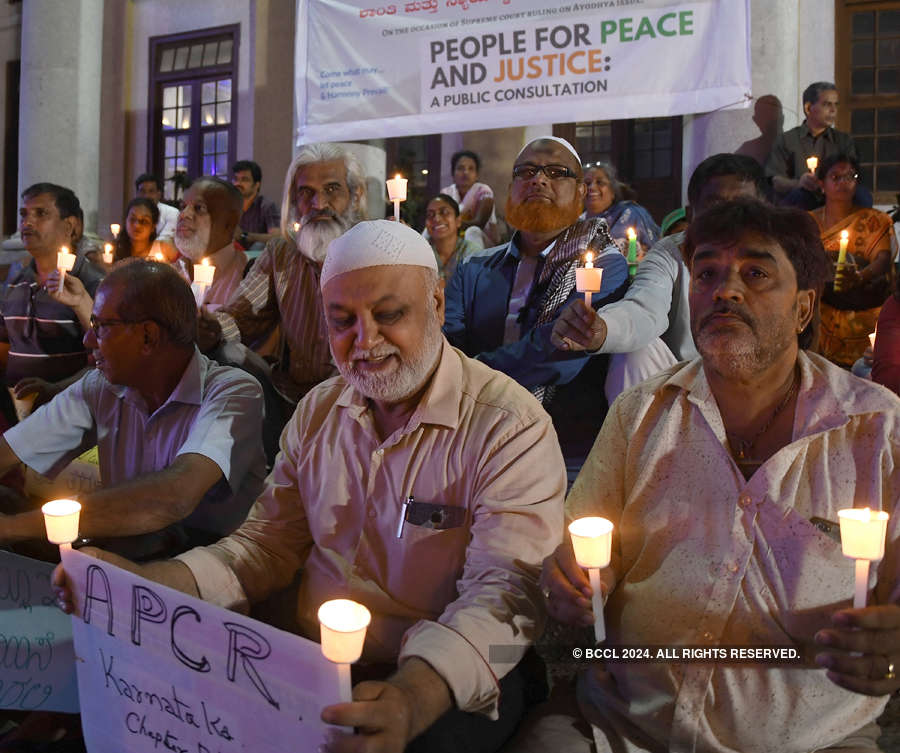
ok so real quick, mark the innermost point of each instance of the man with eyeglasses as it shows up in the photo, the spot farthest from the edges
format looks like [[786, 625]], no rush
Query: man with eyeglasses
[[178, 435], [501, 305]]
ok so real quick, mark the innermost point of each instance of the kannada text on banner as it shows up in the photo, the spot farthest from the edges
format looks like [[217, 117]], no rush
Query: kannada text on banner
[[160, 670], [37, 663], [443, 65]]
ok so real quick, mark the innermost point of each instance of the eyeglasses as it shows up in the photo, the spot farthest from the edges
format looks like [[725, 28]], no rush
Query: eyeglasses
[[100, 327], [526, 171], [844, 178]]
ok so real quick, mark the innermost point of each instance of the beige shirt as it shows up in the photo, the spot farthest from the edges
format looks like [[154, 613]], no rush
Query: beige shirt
[[703, 557], [478, 443]]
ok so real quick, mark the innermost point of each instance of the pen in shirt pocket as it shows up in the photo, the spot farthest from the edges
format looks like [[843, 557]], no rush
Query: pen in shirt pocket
[[404, 514]]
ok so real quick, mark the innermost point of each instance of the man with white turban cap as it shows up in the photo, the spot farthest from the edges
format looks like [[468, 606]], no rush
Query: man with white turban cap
[[420, 483]]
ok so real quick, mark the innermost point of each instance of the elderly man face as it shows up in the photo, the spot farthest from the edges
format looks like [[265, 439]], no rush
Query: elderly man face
[[746, 308], [323, 205], [207, 221], [384, 327], [539, 202]]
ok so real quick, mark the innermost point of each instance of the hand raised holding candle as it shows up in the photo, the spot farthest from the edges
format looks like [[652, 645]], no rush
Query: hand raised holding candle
[[73, 294], [578, 327], [567, 587]]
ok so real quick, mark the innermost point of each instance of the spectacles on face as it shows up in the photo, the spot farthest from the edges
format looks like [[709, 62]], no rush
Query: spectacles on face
[[844, 178], [527, 171], [100, 327]]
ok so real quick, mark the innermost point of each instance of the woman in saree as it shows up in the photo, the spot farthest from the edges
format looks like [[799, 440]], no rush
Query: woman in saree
[[605, 198], [850, 305]]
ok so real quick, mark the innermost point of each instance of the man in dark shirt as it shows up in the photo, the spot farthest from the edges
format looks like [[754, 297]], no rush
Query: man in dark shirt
[[41, 338], [793, 181], [260, 218]]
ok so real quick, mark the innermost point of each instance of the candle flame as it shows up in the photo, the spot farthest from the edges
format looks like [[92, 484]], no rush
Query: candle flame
[[845, 234], [630, 233], [159, 256], [64, 249], [108, 247], [588, 257], [296, 227], [398, 176], [205, 261]]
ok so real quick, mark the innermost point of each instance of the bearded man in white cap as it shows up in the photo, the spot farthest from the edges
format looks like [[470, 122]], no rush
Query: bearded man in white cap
[[501, 305], [420, 483], [325, 194]]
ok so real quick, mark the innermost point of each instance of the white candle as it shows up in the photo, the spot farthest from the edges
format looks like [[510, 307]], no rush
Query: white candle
[[204, 272], [396, 187], [592, 543], [862, 538], [114, 229], [588, 279], [61, 520], [64, 262], [812, 163], [343, 626], [842, 248], [872, 336], [107, 253]]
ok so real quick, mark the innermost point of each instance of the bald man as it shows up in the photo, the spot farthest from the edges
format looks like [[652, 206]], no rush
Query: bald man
[[501, 305], [418, 482]]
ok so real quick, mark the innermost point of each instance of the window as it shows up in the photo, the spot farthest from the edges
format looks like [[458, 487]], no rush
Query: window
[[645, 151], [867, 58], [193, 110]]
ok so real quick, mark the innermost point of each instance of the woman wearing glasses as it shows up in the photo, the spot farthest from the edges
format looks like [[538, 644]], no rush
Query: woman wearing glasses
[[864, 283]]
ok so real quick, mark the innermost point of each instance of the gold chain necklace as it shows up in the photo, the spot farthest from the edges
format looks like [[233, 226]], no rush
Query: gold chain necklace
[[744, 446]]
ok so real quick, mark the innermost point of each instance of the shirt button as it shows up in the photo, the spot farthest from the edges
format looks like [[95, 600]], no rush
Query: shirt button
[[733, 567], [371, 513], [379, 451], [745, 500], [707, 636]]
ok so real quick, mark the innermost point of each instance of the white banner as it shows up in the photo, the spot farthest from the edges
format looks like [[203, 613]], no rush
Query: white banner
[[37, 663], [161, 671], [373, 70]]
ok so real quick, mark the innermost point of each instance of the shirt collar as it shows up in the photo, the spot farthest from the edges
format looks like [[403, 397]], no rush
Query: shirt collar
[[513, 249], [189, 389], [440, 402], [828, 133]]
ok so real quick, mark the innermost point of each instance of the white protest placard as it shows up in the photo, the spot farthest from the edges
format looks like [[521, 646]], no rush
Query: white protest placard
[[161, 671], [37, 663], [372, 69]]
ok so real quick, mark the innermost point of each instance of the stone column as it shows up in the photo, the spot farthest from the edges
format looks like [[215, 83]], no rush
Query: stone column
[[775, 26], [59, 109]]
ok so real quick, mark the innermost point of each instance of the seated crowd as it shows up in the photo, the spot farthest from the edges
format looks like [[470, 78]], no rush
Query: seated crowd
[[433, 408]]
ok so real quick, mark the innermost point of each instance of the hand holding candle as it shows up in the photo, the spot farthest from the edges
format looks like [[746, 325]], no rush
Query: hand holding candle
[[64, 262], [632, 252], [862, 538], [588, 279], [343, 624], [592, 543], [396, 187], [61, 520]]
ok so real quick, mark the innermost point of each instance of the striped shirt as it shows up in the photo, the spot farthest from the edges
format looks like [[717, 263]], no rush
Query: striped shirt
[[44, 336], [282, 287]]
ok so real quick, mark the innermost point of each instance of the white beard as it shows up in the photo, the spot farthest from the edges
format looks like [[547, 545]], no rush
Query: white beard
[[314, 237], [407, 377], [194, 248]]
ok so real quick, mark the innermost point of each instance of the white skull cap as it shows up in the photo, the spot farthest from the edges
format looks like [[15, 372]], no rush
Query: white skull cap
[[557, 139], [375, 243]]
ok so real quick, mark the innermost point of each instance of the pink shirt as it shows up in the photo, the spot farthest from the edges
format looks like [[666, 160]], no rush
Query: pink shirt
[[479, 444]]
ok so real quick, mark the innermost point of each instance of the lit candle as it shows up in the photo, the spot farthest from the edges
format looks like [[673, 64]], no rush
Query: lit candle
[[107, 253], [64, 262], [632, 252], [396, 187], [588, 279], [592, 542], [61, 520], [842, 256], [872, 336], [812, 163], [114, 229], [862, 539], [203, 277], [296, 228], [343, 626]]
